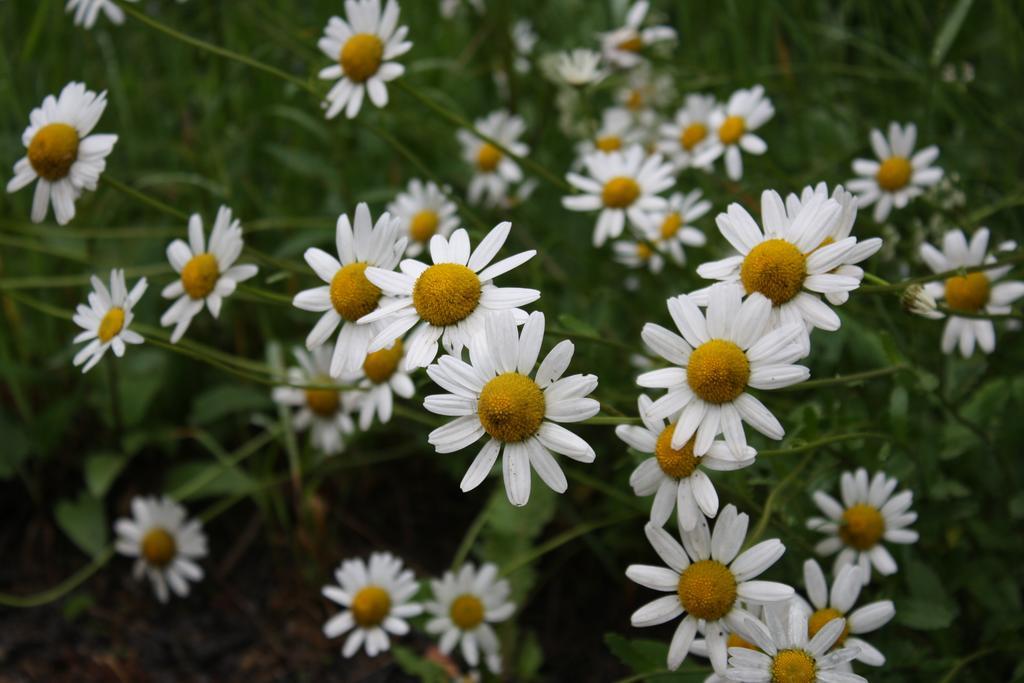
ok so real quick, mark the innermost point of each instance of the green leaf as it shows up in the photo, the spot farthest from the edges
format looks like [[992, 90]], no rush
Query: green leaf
[[217, 481], [638, 654], [414, 665], [227, 399], [14, 449], [101, 469], [924, 615], [949, 31], [84, 521]]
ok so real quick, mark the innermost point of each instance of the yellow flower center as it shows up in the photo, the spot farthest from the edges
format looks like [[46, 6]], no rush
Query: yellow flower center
[[718, 371], [677, 463], [817, 621], [158, 547], [446, 293], [894, 173], [608, 143], [423, 225], [635, 100], [54, 148], [111, 324], [862, 526], [692, 134], [200, 274], [488, 157], [775, 268], [967, 292], [633, 44], [644, 251], [707, 589], [731, 130], [380, 365], [323, 402], [370, 606], [361, 56], [793, 666], [620, 192], [352, 295], [670, 226], [467, 612], [511, 407], [735, 640]]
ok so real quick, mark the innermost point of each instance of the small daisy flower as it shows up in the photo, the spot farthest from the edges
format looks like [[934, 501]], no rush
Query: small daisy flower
[[617, 131], [495, 395], [207, 271], [493, 170], [348, 295], [623, 46], [464, 607], [62, 156], [106, 319], [379, 381], [638, 254], [687, 135], [423, 211], [672, 229], [580, 67], [868, 515], [376, 596], [717, 358], [899, 175], [675, 476], [976, 292], [645, 91], [324, 412], [734, 126], [165, 543], [87, 11], [620, 185], [707, 577], [364, 47], [449, 300]]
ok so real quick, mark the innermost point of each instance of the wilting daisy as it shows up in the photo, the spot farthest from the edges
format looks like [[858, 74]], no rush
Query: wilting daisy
[[495, 395], [717, 359], [423, 211], [672, 229], [687, 135], [364, 47], [106, 319], [617, 131], [165, 543], [706, 580], [348, 294], [449, 299], [868, 515], [380, 379], [620, 185], [623, 46], [675, 475], [61, 155], [207, 271], [493, 170], [325, 412], [638, 254], [579, 67], [733, 129], [464, 607], [976, 292], [376, 596], [899, 175]]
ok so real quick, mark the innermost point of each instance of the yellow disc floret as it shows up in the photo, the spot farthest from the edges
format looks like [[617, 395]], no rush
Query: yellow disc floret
[[793, 666], [423, 225], [53, 150], [819, 618], [370, 606], [467, 612], [632, 44], [511, 407], [644, 251], [488, 157], [736, 640], [111, 324], [775, 268], [731, 130], [200, 275], [677, 463], [707, 589], [608, 143], [718, 371], [692, 135], [894, 173], [967, 293], [380, 365], [323, 402], [670, 226], [446, 293], [352, 295], [862, 526], [620, 192], [158, 547], [361, 56]]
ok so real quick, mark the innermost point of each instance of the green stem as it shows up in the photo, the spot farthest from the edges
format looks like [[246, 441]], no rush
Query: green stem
[[611, 420], [62, 588], [144, 198], [615, 344], [845, 379], [462, 552], [903, 284], [769, 502], [810, 446]]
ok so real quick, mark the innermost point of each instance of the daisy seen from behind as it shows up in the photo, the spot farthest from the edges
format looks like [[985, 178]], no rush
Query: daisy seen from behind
[[493, 169], [323, 411], [733, 127], [672, 230], [683, 138], [623, 47], [106, 319], [379, 381], [898, 175], [423, 210]]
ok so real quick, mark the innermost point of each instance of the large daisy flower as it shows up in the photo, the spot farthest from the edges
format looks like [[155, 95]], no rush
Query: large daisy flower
[[423, 211], [363, 46], [493, 170], [325, 412], [379, 380], [62, 155], [899, 175], [706, 577], [165, 544], [106, 319], [617, 131], [734, 126], [623, 46], [687, 134], [672, 230], [495, 395], [449, 299]]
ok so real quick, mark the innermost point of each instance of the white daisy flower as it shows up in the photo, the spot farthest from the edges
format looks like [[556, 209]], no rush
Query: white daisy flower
[[976, 292], [899, 175], [868, 515], [208, 273], [165, 543], [449, 299], [672, 229], [87, 11], [379, 380], [638, 254], [462, 611], [623, 46], [493, 170], [62, 155], [645, 91], [348, 294], [687, 135], [580, 67], [734, 126], [495, 395], [706, 577], [376, 596], [325, 412], [423, 210], [717, 358], [106, 319], [620, 185], [675, 476], [364, 47], [617, 131]]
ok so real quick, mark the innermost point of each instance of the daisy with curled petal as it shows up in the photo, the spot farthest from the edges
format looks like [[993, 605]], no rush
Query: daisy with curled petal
[[379, 380], [868, 515], [165, 544], [61, 154], [493, 170], [671, 229], [325, 412], [733, 129], [638, 254], [495, 395], [423, 211], [717, 358], [899, 175], [675, 475], [623, 46], [687, 135], [207, 271], [974, 293], [580, 67], [617, 131], [348, 295], [623, 184], [106, 319], [448, 300], [377, 598], [707, 577]]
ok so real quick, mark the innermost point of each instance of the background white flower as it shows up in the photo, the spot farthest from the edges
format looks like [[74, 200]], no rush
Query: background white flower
[[682, 139], [899, 175], [423, 210], [106, 319], [325, 412], [622, 47], [493, 170], [733, 129]]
